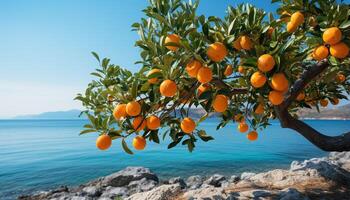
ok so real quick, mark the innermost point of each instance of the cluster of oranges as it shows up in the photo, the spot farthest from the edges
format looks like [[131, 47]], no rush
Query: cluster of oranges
[[279, 83], [294, 21], [332, 44], [243, 127]]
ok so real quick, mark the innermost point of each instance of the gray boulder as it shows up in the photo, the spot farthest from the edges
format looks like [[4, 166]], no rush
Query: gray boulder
[[208, 193], [113, 192], [178, 180], [216, 180], [234, 179], [291, 194], [142, 185], [92, 191], [194, 182], [127, 175], [325, 168], [163, 192]]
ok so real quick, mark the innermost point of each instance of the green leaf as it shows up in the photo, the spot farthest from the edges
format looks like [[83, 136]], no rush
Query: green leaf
[[203, 136], [333, 61], [230, 28], [125, 147], [344, 25], [96, 56], [96, 74], [88, 126], [173, 144], [145, 87], [155, 75], [203, 118], [205, 29], [154, 136], [87, 131], [105, 63], [134, 89]]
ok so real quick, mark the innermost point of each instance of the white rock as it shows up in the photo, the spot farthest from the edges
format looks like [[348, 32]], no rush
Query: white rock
[[247, 175], [163, 192], [194, 182]]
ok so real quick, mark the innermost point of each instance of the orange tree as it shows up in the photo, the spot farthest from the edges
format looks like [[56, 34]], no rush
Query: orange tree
[[247, 66]]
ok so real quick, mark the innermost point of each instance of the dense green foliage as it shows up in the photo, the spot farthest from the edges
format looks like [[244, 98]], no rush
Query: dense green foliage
[[291, 51]]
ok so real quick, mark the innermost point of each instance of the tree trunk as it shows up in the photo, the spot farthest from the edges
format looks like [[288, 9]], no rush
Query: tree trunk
[[324, 142]]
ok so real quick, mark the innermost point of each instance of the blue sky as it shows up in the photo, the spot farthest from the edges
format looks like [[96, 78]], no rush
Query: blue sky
[[45, 47]]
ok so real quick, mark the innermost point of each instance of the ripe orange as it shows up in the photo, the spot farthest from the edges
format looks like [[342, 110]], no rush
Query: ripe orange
[[220, 103], [332, 35], [204, 75], [217, 52], [139, 143], [276, 97], [291, 27], [239, 118], [153, 80], [259, 109], [320, 53], [202, 88], [133, 108], [187, 125], [253, 135], [301, 96], [297, 18], [119, 111], [279, 82], [153, 122], [270, 31], [173, 38], [228, 70], [266, 62], [168, 88], [324, 102], [340, 78], [103, 142], [335, 101], [246, 43], [139, 123], [258, 79], [340, 50], [241, 69], [192, 68], [236, 44], [242, 127]]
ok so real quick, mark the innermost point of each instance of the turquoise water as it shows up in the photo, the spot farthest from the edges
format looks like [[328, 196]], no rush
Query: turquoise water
[[43, 154]]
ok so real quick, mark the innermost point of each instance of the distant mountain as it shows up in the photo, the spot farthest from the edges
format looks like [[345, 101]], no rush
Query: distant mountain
[[339, 112], [69, 114]]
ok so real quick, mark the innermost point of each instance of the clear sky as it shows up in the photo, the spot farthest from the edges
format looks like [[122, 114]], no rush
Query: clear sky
[[45, 47]]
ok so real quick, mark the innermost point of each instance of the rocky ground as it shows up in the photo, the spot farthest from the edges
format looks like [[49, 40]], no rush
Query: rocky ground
[[317, 178]]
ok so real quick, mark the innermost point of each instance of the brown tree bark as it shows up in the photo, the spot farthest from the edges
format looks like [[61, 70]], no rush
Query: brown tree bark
[[324, 142]]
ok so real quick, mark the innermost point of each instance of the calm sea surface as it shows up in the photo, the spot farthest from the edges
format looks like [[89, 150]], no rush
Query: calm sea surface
[[43, 154]]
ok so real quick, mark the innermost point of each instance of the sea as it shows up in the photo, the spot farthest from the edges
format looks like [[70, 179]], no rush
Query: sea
[[38, 155]]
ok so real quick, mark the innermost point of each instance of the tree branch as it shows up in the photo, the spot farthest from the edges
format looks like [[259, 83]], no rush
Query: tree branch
[[324, 142], [299, 85], [221, 84]]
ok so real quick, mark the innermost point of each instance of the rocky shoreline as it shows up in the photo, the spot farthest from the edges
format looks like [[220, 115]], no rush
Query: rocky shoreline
[[317, 178]]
